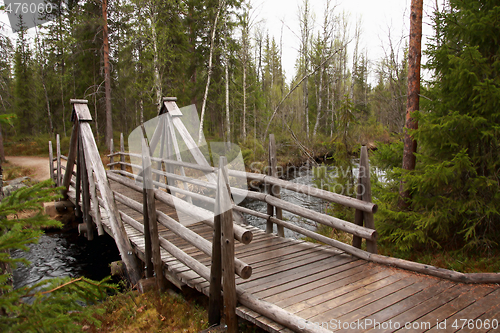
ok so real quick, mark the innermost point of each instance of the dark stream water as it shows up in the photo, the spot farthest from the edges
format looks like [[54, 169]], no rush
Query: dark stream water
[[300, 177], [65, 253]]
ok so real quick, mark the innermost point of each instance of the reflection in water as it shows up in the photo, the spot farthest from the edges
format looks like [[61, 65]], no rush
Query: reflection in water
[[61, 254]]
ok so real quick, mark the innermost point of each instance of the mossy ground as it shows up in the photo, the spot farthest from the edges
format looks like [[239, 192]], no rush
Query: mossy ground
[[152, 312]]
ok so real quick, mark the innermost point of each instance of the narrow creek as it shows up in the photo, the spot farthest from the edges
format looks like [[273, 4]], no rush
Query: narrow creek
[[65, 253]]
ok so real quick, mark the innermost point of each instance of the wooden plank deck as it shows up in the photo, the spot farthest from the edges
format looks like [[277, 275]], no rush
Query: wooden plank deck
[[328, 287]]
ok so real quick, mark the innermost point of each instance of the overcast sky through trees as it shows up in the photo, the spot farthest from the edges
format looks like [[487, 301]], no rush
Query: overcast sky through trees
[[378, 18]]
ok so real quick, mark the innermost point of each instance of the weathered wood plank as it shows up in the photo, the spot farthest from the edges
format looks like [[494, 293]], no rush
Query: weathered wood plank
[[364, 170], [118, 230], [71, 159], [275, 189], [224, 205], [58, 152], [151, 217]]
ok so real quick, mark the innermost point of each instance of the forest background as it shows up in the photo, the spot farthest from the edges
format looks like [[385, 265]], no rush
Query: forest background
[[124, 56]]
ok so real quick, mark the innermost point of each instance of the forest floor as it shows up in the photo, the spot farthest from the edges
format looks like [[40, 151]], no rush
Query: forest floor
[[35, 167]]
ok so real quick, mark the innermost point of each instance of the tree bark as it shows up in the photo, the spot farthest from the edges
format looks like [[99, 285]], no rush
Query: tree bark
[[226, 72], [107, 74], [305, 50], [2, 152], [209, 74], [156, 62], [414, 56]]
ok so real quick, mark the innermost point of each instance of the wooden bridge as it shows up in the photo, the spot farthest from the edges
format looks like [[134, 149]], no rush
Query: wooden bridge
[[187, 229]]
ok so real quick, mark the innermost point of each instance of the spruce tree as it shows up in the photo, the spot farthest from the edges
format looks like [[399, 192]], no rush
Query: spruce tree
[[23, 74], [456, 186], [53, 305]]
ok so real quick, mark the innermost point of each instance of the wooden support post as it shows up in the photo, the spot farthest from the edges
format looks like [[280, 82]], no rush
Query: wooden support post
[[73, 149], [275, 189], [86, 193], [358, 214], [215, 293], [122, 150], [146, 219], [94, 198], [81, 114], [270, 211], [364, 193], [172, 137], [155, 257], [78, 185], [171, 107], [168, 148], [227, 240], [111, 151], [51, 161], [163, 138], [58, 152]]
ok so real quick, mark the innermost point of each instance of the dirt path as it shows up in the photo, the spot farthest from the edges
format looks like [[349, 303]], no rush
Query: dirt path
[[39, 165]]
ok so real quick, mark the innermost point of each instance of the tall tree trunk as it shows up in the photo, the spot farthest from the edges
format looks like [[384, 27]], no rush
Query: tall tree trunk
[[414, 56], [209, 74], [305, 49], [228, 122], [107, 75], [42, 77], [156, 63], [320, 101], [2, 152], [244, 100]]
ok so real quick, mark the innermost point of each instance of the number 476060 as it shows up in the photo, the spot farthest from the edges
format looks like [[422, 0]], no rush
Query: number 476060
[[475, 324], [25, 8]]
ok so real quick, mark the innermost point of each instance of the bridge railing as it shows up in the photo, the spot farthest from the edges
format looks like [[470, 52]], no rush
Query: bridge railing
[[222, 248], [364, 209], [91, 185]]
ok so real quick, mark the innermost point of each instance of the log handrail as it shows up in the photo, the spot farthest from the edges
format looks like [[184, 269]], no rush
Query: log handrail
[[363, 232], [299, 188], [241, 234], [93, 166]]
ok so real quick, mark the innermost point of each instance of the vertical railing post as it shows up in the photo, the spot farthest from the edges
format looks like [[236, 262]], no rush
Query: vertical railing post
[[152, 241], [51, 161], [78, 185], [58, 152], [146, 218], [122, 151], [227, 241], [73, 149], [111, 157], [270, 211], [215, 293], [86, 191], [364, 193], [275, 189]]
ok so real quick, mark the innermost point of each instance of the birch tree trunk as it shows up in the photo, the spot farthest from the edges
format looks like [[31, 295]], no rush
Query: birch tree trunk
[[305, 53], [244, 101], [320, 101], [209, 74], [228, 121]]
